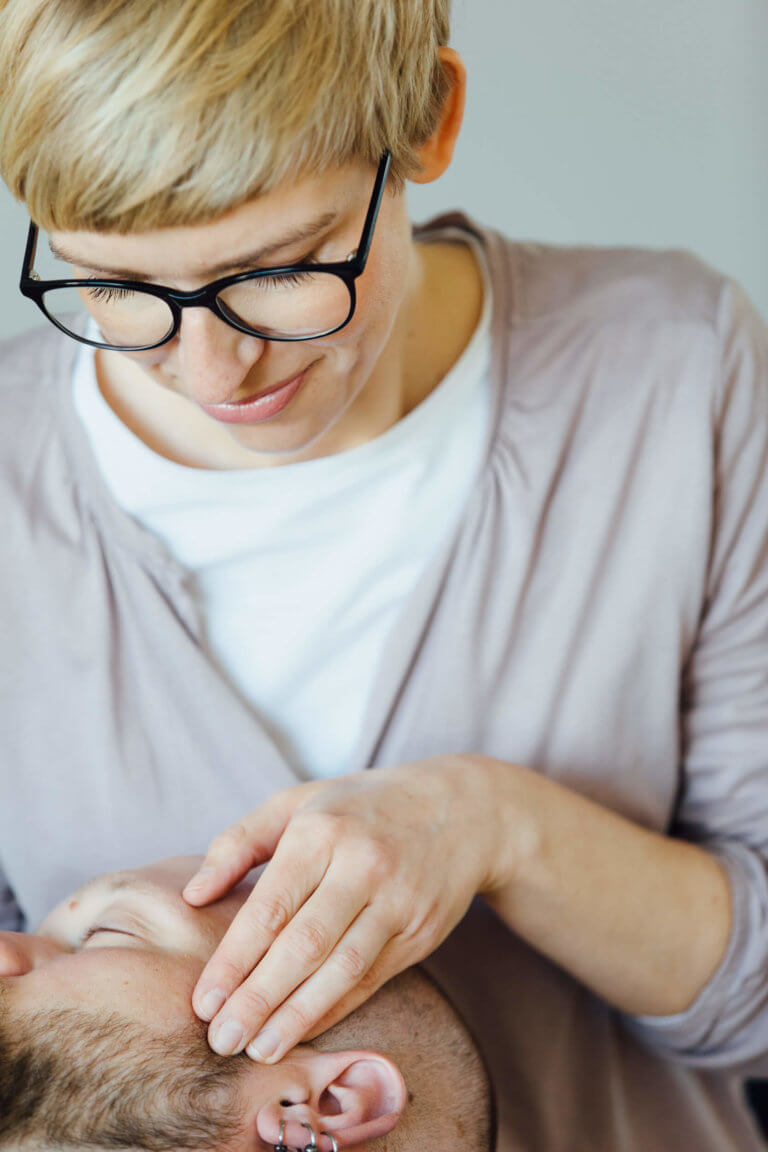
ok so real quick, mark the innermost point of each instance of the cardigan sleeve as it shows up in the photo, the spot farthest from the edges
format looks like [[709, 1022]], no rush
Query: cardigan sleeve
[[723, 799]]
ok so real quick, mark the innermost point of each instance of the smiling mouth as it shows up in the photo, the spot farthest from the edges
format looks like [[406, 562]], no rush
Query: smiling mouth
[[258, 395]]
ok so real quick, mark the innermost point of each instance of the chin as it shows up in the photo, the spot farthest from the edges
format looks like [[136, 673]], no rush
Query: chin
[[270, 438]]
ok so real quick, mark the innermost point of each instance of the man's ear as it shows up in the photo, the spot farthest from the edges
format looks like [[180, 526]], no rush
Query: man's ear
[[356, 1096]]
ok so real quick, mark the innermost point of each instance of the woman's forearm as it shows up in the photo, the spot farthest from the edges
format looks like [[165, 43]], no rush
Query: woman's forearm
[[640, 918]]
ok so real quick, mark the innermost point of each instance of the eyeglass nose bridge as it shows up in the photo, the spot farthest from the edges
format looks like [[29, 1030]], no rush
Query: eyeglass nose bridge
[[177, 302], [202, 299]]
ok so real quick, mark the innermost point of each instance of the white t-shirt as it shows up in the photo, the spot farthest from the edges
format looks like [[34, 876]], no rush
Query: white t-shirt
[[301, 569]]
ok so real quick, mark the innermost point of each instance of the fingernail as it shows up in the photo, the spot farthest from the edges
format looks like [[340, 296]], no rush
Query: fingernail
[[264, 1045], [212, 1002], [199, 879], [227, 1037]]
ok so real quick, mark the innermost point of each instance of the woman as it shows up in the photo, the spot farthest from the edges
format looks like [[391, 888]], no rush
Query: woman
[[484, 515]]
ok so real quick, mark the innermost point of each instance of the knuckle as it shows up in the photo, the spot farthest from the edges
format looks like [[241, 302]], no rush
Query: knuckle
[[252, 1003], [232, 837], [431, 928], [322, 829], [389, 916], [352, 963], [229, 971], [270, 914], [300, 1019], [424, 927], [310, 940], [372, 980], [376, 860], [408, 895]]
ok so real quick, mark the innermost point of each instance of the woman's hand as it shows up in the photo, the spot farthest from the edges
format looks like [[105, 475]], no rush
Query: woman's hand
[[367, 875]]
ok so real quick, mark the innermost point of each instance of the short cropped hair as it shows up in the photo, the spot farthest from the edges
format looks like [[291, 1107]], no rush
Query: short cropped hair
[[72, 1078], [130, 115]]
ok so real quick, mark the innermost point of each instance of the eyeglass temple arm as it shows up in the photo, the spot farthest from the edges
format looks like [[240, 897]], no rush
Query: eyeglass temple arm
[[29, 255], [373, 208]]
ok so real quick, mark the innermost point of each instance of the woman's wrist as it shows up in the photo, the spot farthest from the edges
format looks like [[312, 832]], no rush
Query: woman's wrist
[[514, 833], [640, 918]]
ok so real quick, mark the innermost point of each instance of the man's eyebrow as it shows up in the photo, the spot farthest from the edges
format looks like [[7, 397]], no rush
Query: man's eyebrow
[[138, 887], [134, 886], [241, 264]]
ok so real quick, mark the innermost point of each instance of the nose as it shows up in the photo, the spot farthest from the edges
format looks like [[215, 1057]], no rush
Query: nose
[[20, 952], [214, 359]]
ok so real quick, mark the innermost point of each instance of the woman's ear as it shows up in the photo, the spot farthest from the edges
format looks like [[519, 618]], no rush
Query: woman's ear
[[436, 153], [356, 1096]]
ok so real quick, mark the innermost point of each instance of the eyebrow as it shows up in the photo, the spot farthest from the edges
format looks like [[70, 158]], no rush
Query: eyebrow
[[135, 887], [239, 264], [140, 888]]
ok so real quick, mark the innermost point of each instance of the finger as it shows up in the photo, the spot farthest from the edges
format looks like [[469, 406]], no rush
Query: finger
[[242, 846], [287, 881], [301, 948], [388, 964], [352, 970]]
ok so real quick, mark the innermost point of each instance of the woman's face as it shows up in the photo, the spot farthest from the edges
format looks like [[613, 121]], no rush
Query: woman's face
[[354, 382]]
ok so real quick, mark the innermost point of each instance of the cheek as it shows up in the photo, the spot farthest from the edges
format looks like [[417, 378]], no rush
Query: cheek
[[362, 338], [380, 291], [155, 992], [146, 360]]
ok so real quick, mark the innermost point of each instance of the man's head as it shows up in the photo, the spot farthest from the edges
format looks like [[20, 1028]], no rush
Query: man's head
[[99, 1046], [164, 140]]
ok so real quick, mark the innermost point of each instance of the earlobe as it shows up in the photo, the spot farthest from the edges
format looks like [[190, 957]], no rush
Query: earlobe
[[356, 1096]]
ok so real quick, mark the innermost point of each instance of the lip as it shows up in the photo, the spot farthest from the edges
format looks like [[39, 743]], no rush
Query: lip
[[252, 410]]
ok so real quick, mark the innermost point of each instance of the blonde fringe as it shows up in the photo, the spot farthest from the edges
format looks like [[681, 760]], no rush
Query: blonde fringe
[[130, 115]]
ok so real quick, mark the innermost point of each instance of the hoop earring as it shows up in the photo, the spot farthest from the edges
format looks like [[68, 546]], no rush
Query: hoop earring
[[280, 1147], [312, 1146]]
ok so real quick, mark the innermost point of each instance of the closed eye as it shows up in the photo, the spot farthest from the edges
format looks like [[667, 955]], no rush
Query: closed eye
[[96, 930]]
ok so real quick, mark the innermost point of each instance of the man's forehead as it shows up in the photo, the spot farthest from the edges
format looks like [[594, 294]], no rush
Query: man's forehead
[[118, 882]]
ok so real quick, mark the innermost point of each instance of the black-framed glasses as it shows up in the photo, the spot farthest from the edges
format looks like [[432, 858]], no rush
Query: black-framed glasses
[[293, 302]]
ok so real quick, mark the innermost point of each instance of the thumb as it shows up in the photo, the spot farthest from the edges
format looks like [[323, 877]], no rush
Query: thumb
[[242, 846]]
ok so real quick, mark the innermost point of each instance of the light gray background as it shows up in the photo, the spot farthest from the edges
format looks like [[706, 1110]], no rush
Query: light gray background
[[600, 122]]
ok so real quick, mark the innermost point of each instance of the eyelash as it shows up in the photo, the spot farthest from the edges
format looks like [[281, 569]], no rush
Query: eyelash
[[93, 931], [107, 294]]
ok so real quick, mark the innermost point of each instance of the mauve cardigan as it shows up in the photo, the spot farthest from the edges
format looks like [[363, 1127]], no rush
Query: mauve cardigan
[[600, 615]]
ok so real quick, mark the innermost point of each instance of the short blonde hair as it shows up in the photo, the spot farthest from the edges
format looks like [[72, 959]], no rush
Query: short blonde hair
[[130, 115]]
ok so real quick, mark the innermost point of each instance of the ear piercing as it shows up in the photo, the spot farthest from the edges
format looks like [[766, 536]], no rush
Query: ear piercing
[[312, 1146]]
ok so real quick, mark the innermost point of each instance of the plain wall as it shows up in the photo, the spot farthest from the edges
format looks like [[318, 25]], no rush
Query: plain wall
[[591, 123]]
